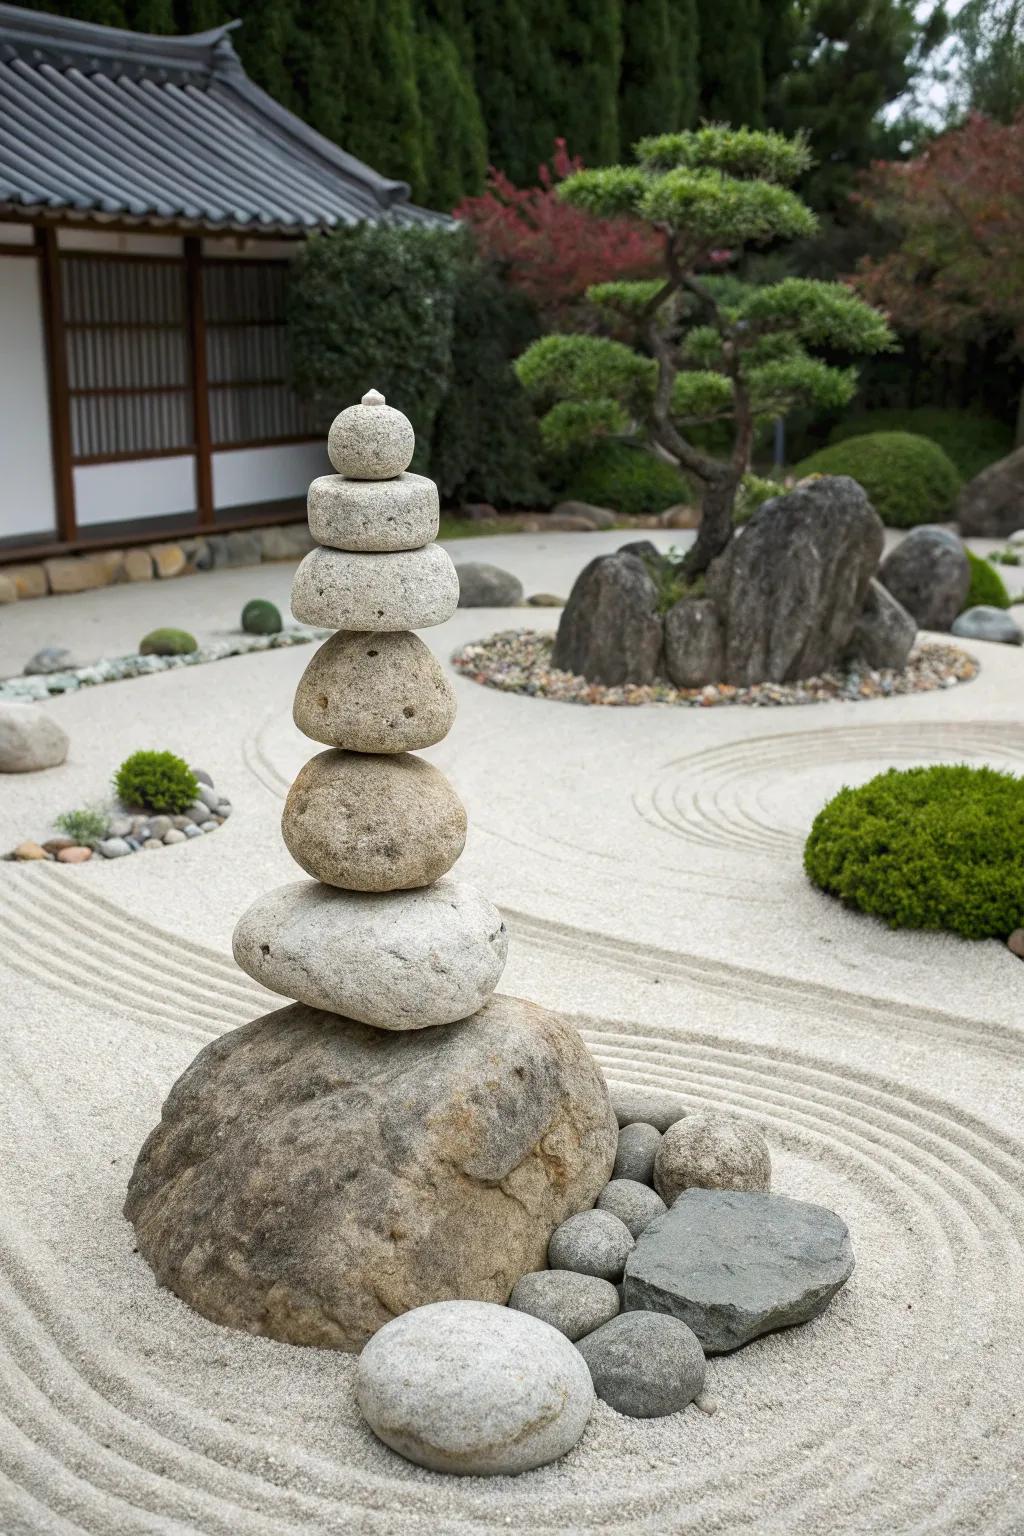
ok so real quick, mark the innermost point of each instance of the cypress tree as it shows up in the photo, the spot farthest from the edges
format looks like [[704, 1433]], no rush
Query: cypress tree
[[454, 137], [585, 42], [731, 79], [512, 71], [650, 87]]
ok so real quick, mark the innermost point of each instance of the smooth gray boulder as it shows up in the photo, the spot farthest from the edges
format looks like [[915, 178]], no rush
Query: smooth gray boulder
[[591, 1243], [310, 1178], [694, 643], [635, 1204], [790, 590], [638, 1147], [992, 504], [710, 1150], [984, 622], [487, 586], [599, 517], [29, 739], [929, 574], [480, 1390], [400, 961], [733, 1265], [575, 1304], [409, 589], [884, 634], [610, 630], [645, 1364]]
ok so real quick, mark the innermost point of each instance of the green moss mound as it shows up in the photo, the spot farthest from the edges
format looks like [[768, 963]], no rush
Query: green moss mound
[[261, 618], [971, 440], [168, 642], [157, 781], [926, 848], [628, 480], [908, 479], [754, 491], [987, 586]]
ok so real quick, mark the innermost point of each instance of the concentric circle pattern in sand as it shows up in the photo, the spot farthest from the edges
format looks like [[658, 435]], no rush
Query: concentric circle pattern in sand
[[759, 795], [122, 1412]]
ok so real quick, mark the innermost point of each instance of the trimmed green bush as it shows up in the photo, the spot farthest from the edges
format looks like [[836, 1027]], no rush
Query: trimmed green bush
[[261, 618], [168, 642], [987, 586], [971, 440], [926, 848], [157, 781], [753, 492], [628, 480], [86, 826], [908, 479]]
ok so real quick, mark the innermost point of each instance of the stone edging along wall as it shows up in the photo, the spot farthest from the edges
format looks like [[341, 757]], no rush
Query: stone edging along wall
[[146, 562]]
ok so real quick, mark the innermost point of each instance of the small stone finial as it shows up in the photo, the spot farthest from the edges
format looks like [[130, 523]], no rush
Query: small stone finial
[[371, 440], [373, 397]]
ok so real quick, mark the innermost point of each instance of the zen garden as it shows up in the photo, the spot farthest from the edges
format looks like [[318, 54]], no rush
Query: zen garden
[[522, 507]]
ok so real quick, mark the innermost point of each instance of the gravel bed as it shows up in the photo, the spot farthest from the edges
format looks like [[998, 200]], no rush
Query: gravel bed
[[519, 661]]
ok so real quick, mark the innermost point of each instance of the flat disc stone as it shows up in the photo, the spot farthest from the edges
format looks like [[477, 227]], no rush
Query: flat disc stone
[[375, 693], [373, 515], [404, 960], [410, 589], [373, 823], [733, 1264]]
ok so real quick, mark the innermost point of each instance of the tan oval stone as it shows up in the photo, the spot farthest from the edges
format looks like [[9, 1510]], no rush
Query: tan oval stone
[[410, 589], [29, 580], [373, 823], [373, 515], [375, 693], [138, 565]]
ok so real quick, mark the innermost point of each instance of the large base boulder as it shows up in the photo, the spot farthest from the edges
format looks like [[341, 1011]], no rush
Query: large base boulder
[[311, 1178], [790, 588], [929, 574], [610, 630], [992, 504]]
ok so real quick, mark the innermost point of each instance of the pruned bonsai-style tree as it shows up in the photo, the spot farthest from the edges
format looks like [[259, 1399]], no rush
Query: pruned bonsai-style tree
[[701, 348]]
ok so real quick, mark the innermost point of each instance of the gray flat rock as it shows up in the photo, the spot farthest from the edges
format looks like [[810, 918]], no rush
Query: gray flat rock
[[644, 1364], [574, 1304], [733, 1265]]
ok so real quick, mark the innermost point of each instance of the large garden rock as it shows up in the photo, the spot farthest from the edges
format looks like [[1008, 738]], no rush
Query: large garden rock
[[733, 1265], [610, 630], [884, 634], [987, 623], [29, 739], [929, 574], [464, 1387], [487, 586], [311, 1178], [694, 643], [791, 589], [992, 504]]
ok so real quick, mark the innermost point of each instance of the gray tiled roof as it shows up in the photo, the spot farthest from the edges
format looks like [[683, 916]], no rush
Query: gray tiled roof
[[100, 124]]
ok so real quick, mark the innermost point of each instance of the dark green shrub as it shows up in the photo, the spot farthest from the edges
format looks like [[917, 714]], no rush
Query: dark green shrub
[[168, 642], [157, 781], [987, 586], [627, 480], [86, 826], [972, 441], [261, 618], [926, 848], [908, 479]]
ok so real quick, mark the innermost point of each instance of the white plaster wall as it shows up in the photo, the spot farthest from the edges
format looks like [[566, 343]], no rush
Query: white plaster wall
[[27, 502], [73, 239], [134, 488], [245, 476], [254, 250], [17, 234]]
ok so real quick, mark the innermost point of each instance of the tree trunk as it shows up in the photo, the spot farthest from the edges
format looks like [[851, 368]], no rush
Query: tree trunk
[[716, 525], [1019, 435]]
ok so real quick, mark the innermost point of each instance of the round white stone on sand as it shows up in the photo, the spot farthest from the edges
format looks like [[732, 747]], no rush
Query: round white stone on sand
[[473, 1388], [371, 441], [406, 960], [411, 589], [373, 515]]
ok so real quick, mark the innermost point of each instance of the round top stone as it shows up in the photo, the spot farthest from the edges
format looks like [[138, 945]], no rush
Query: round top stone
[[371, 440]]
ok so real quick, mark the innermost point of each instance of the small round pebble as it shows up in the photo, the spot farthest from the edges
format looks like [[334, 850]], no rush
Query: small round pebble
[[153, 842], [634, 1203], [474, 1388], [113, 847], [645, 1364], [74, 855], [574, 1304], [209, 825], [591, 1243], [158, 825], [174, 835], [202, 776], [192, 830], [637, 1149], [371, 441], [709, 1150]]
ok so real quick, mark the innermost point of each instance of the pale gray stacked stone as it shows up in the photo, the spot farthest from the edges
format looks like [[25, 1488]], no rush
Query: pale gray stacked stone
[[374, 936]]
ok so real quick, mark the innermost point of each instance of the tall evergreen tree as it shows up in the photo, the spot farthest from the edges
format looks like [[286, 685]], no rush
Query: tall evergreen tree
[[650, 86], [731, 78], [585, 42], [454, 136], [510, 68]]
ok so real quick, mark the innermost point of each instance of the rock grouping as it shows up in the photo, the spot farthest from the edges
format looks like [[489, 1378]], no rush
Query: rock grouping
[[399, 1141]]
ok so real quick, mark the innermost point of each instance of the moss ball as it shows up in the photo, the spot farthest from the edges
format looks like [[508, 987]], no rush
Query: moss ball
[[987, 588], [907, 479], [261, 618], [926, 848], [157, 781], [168, 642]]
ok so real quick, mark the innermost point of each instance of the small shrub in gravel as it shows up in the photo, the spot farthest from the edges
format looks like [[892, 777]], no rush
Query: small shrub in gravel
[[168, 642], [158, 781], [86, 827], [931, 847]]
